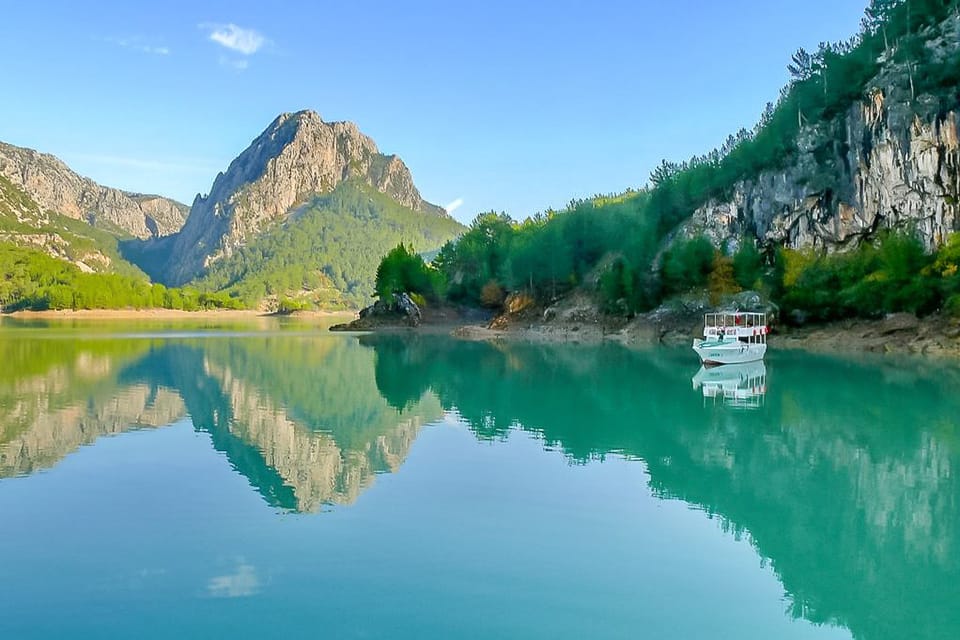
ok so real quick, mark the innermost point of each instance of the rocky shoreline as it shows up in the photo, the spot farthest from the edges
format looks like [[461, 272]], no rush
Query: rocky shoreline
[[579, 321]]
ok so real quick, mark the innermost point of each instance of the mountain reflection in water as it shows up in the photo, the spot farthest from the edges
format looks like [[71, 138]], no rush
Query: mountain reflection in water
[[844, 478], [300, 418]]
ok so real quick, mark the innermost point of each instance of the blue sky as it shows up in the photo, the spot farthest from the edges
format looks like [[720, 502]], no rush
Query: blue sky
[[508, 106]]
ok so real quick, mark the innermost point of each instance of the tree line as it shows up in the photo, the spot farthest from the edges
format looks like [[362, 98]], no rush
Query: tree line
[[615, 244], [36, 281]]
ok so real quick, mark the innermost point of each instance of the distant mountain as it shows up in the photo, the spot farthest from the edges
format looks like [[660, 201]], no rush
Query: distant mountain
[[297, 158], [55, 187], [326, 252], [26, 224], [304, 212]]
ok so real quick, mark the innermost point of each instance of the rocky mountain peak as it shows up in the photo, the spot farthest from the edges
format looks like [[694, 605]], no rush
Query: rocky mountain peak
[[297, 157], [55, 187]]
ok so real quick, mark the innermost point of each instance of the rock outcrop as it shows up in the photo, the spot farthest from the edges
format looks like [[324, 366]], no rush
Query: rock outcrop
[[24, 223], [55, 187], [891, 160], [296, 157]]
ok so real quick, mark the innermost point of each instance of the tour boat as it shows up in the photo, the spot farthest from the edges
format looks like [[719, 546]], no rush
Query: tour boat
[[732, 338]]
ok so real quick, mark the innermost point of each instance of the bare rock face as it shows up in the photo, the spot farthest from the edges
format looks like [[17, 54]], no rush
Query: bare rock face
[[55, 187], [296, 157], [890, 161]]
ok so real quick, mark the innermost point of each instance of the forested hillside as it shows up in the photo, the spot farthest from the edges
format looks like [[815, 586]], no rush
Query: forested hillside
[[50, 261], [296, 222], [325, 254], [24, 223], [857, 157]]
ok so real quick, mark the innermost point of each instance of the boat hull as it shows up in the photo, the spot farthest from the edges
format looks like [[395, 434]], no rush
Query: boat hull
[[732, 352]]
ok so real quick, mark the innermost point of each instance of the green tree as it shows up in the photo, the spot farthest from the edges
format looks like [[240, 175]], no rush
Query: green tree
[[404, 271], [747, 264]]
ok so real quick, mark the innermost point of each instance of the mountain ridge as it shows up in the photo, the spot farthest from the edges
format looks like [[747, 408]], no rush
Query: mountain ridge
[[296, 157], [324, 188], [54, 186]]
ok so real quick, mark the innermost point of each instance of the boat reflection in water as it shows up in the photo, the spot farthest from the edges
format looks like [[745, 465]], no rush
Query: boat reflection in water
[[735, 385]]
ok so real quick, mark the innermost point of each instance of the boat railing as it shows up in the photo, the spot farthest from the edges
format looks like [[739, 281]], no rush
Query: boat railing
[[744, 326]]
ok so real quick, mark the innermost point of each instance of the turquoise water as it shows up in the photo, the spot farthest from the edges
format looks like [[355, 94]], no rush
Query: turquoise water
[[280, 481]]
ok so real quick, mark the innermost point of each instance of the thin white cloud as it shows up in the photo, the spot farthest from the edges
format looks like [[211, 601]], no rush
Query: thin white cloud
[[243, 582], [138, 44], [245, 41], [237, 64], [178, 165], [453, 206]]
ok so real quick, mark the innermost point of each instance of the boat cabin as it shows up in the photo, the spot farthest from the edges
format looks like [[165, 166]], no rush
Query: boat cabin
[[747, 327]]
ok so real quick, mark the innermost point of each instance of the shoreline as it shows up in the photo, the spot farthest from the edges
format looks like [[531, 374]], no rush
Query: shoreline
[[166, 314], [895, 334]]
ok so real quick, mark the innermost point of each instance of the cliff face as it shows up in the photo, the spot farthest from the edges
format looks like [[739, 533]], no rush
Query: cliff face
[[55, 187], [296, 157], [891, 160]]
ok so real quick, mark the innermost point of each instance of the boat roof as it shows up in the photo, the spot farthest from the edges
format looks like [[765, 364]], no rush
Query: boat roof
[[735, 313], [711, 318]]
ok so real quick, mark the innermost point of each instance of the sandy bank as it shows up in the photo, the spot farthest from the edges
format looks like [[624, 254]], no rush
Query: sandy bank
[[165, 314]]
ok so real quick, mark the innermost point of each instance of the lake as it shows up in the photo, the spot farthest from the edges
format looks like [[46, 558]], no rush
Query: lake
[[276, 480]]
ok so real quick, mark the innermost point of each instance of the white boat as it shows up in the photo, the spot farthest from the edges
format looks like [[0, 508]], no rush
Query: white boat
[[736, 385], [732, 337]]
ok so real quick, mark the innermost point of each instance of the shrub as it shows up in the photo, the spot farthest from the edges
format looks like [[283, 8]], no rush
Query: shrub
[[721, 281], [403, 270], [617, 287], [687, 265], [286, 306], [747, 264], [492, 294], [418, 299]]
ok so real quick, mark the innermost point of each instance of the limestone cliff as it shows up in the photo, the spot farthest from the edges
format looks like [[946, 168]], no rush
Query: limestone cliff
[[891, 160], [296, 157], [55, 187]]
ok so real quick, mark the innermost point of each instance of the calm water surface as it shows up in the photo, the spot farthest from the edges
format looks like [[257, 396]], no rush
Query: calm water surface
[[279, 481]]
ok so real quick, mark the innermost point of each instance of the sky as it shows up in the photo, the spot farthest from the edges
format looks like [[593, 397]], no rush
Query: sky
[[505, 106]]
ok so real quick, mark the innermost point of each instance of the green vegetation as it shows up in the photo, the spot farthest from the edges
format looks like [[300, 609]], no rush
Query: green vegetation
[[286, 306], [23, 222], [402, 270], [549, 254], [687, 265], [31, 279], [622, 246], [327, 252], [890, 275], [323, 256]]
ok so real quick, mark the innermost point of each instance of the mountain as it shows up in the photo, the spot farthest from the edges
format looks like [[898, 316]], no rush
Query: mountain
[[51, 261], [843, 200], [304, 212], [297, 158], [55, 187], [29, 226], [326, 252], [888, 159]]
